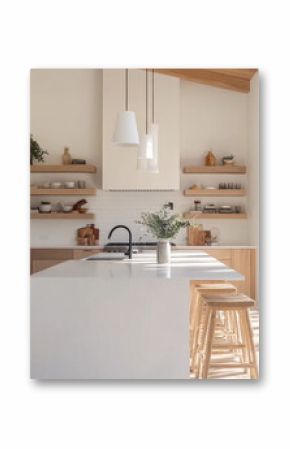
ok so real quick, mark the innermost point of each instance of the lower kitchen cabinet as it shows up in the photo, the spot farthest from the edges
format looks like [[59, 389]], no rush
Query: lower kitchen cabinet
[[39, 264], [242, 260], [42, 258]]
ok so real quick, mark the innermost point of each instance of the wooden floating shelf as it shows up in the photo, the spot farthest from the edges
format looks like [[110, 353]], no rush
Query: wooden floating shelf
[[64, 192], [215, 192], [226, 169], [61, 215], [206, 216], [72, 168]]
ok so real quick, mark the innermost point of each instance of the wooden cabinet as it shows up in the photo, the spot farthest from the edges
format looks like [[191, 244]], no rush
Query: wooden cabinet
[[82, 253], [120, 163], [242, 260], [224, 255], [42, 258], [42, 264]]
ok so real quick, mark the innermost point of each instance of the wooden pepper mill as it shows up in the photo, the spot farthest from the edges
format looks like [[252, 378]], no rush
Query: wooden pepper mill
[[66, 158], [210, 159]]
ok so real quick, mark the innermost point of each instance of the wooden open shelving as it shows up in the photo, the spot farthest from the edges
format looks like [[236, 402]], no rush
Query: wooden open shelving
[[206, 216], [72, 168], [215, 192], [216, 169], [61, 215], [38, 191], [35, 191]]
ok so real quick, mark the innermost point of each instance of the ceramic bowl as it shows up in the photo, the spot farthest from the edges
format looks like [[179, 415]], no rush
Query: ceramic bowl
[[45, 208], [56, 185], [69, 184], [228, 161], [67, 208]]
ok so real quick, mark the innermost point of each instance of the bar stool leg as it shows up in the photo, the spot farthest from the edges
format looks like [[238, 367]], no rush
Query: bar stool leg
[[250, 343], [194, 320], [196, 335], [201, 341], [209, 342]]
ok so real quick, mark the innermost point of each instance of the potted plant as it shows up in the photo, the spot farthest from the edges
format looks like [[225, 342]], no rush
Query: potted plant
[[36, 152], [164, 226], [227, 160]]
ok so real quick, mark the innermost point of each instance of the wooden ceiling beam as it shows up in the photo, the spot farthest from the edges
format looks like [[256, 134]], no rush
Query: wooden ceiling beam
[[232, 79], [239, 73]]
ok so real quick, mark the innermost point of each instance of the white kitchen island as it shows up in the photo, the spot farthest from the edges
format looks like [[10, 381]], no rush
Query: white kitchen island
[[125, 319]]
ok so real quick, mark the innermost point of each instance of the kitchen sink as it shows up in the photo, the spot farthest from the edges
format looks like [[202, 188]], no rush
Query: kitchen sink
[[107, 256]]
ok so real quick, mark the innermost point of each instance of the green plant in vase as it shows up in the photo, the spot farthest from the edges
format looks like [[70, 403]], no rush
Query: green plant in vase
[[36, 152], [164, 226]]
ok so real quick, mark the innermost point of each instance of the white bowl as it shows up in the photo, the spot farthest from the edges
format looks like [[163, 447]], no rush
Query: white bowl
[[56, 185], [228, 161], [69, 184], [66, 208], [45, 208]]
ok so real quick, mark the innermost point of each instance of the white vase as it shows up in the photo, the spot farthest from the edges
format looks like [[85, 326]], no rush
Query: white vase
[[163, 251]]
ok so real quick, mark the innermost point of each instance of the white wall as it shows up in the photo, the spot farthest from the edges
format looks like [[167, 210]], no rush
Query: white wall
[[66, 111], [253, 156], [253, 176]]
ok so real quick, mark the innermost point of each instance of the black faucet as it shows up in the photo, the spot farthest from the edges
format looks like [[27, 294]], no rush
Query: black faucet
[[129, 252]]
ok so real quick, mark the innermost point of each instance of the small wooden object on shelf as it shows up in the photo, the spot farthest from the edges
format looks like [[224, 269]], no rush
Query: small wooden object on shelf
[[78, 206], [66, 157], [210, 159]]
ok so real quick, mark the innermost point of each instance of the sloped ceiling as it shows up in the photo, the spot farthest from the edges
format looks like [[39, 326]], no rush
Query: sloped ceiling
[[233, 79]]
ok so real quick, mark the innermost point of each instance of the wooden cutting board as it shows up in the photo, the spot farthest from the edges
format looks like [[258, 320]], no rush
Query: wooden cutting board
[[195, 235]]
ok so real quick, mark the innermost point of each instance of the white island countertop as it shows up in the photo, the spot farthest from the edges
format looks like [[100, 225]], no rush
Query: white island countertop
[[125, 319], [191, 265]]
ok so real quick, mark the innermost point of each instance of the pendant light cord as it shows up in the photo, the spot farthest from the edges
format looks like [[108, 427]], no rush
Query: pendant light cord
[[153, 99], [146, 91], [127, 90]]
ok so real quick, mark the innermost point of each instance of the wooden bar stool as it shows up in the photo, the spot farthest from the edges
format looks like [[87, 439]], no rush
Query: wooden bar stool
[[197, 313], [239, 306]]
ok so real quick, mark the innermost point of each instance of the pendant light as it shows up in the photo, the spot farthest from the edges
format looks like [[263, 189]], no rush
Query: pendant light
[[153, 165], [145, 152], [126, 132]]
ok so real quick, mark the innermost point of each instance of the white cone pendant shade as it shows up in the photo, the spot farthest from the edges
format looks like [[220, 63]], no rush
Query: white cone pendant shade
[[126, 132], [153, 163]]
